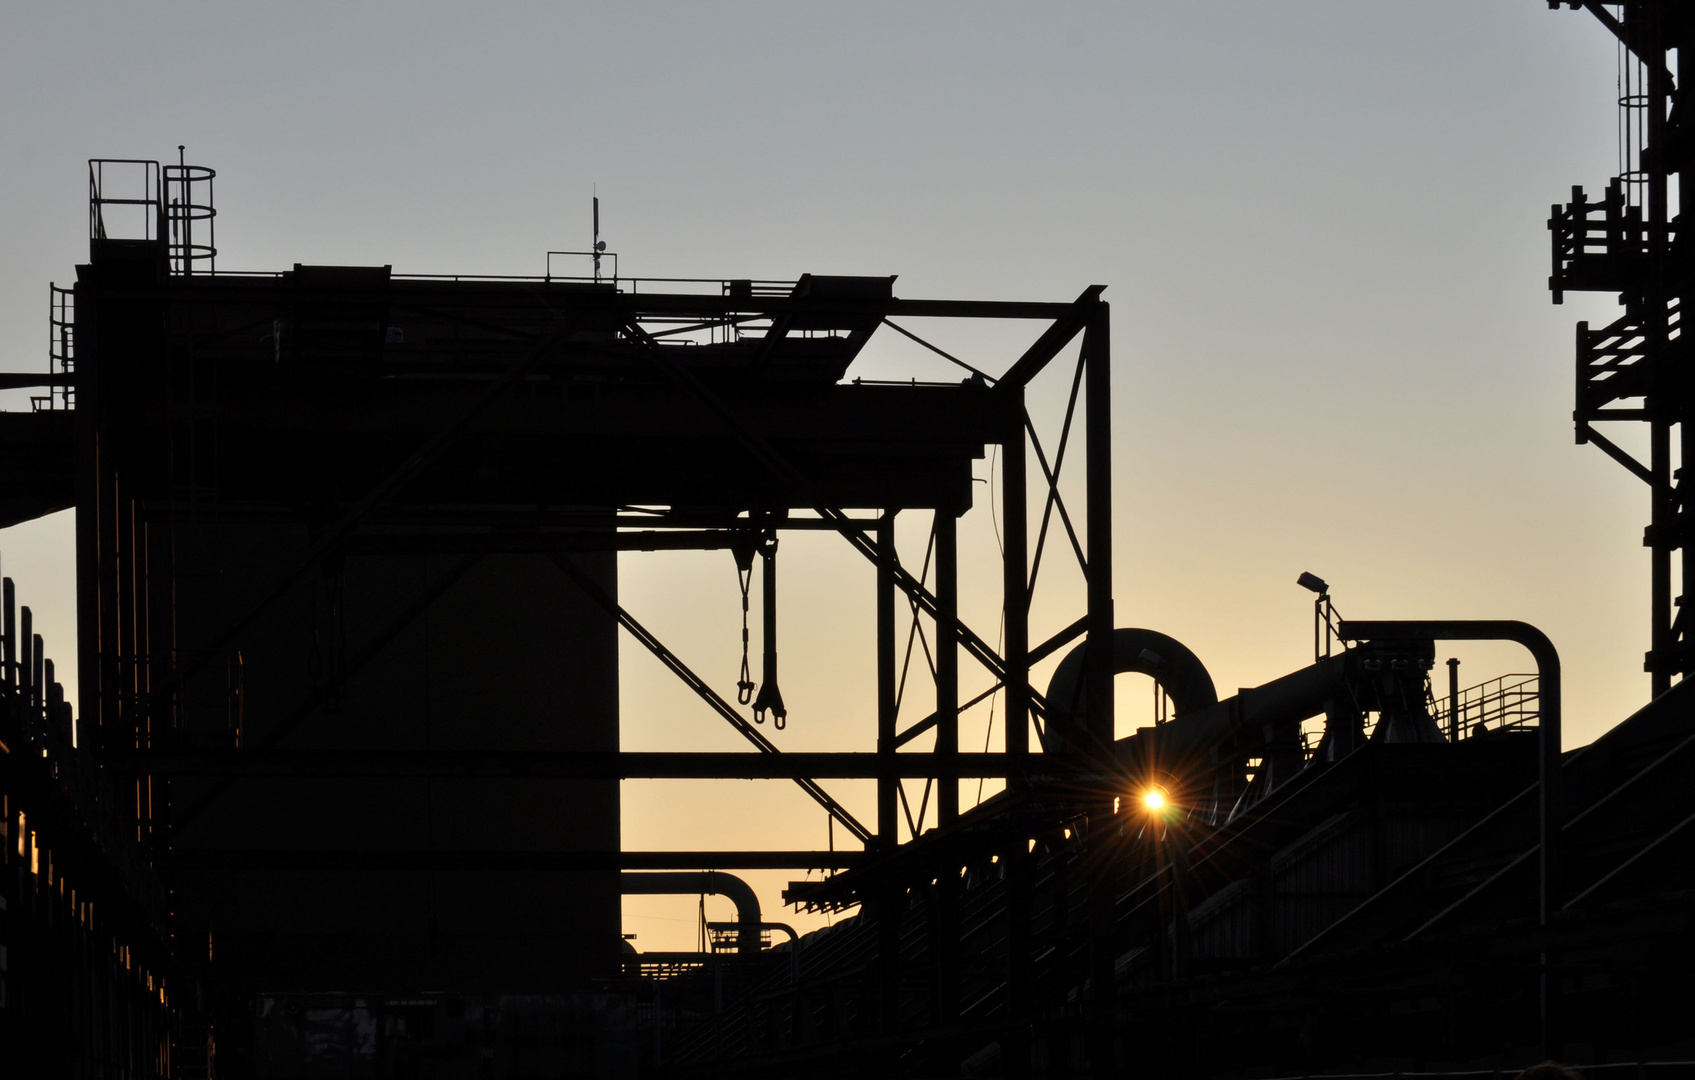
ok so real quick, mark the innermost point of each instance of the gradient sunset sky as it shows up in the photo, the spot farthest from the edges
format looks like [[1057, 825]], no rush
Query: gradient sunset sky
[[1321, 225]]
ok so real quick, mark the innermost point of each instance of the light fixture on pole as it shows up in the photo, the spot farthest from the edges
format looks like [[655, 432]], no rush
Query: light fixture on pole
[[1322, 610]]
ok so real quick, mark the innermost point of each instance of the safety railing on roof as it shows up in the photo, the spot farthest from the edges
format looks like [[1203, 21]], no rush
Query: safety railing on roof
[[125, 200], [1509, 702], [731, 287], [1617, 1070], [191, 215], [134, 199]]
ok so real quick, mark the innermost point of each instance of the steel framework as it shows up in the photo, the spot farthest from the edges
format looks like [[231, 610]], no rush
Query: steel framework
[[545, 419], [1636, 368]]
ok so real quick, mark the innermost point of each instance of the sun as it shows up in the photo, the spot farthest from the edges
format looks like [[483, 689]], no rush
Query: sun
[[1153, 799]]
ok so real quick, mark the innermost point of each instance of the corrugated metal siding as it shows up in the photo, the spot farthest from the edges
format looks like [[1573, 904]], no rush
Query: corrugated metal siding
[[1409, 840], [1222, 927], [1318, 879]]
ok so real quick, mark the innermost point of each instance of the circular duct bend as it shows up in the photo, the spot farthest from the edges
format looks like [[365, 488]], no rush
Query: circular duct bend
[[1147, 652], [682, 882]]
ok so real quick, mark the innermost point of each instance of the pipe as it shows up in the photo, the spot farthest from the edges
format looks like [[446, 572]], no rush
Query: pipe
[[685, 882], [1149, 652], [1187, 736], [1268, 716]]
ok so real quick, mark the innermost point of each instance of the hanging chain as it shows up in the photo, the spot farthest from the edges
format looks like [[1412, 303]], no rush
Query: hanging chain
[[744, 685]]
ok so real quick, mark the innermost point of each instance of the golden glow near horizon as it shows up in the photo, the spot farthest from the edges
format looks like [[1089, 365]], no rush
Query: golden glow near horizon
[[1215, 365]]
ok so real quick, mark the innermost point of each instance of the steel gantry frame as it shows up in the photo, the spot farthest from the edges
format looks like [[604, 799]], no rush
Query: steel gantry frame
[[1008, 424], [629, 341]]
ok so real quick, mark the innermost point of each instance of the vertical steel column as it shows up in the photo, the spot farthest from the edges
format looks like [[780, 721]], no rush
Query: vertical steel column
[[88, 468], [26, 664], [947, 665], [1674, 384], [888, 896], [946, 923], [106, 585], [1097, 355], [1097, 414], [887, 821], [9, 628], [1453, 699], [1016, 591], [1015, 565], [1666, 404]]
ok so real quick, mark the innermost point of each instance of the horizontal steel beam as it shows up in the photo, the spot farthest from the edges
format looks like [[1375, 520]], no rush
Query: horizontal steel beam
[[414, 860], [510, 542], [590, 539], [561, 298], [23, 380], [563, 765]]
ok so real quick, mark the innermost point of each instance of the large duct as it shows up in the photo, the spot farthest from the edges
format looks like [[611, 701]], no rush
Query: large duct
[[686, 882], [1148, 652], [1265, 721]]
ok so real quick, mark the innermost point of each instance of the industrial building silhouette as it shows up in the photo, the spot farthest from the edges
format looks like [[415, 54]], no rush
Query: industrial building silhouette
[[340, 797]]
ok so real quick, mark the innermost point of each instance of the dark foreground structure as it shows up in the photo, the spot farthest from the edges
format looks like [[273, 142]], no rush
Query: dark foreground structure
[[340, 795]]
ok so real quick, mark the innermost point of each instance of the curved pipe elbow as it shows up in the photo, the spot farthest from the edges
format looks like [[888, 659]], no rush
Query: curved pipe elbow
[[686, 882]]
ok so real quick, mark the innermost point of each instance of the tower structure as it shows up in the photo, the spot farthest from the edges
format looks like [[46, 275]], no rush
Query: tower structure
[[1636, 367]]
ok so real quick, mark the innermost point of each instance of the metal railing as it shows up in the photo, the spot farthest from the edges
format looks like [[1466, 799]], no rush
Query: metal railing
[[1511, 702], [136, 199], [1619, 1070], [138, 213], [61, 352], [191, 216], [1597, 245]]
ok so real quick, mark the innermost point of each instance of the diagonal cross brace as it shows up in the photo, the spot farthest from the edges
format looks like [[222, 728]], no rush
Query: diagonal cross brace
[[772, 459], [703, 690], [1037, 655], [1055, 338], [1054, 500], [1585, 433]]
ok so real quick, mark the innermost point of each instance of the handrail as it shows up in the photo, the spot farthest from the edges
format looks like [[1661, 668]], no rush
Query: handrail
[[1496, 701]]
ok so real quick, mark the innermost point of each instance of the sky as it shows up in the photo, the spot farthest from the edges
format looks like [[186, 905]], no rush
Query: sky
[[1321, 226]]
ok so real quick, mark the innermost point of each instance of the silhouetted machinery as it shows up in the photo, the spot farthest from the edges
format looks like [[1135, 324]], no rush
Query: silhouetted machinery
[[341, 796], [348, 662]]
